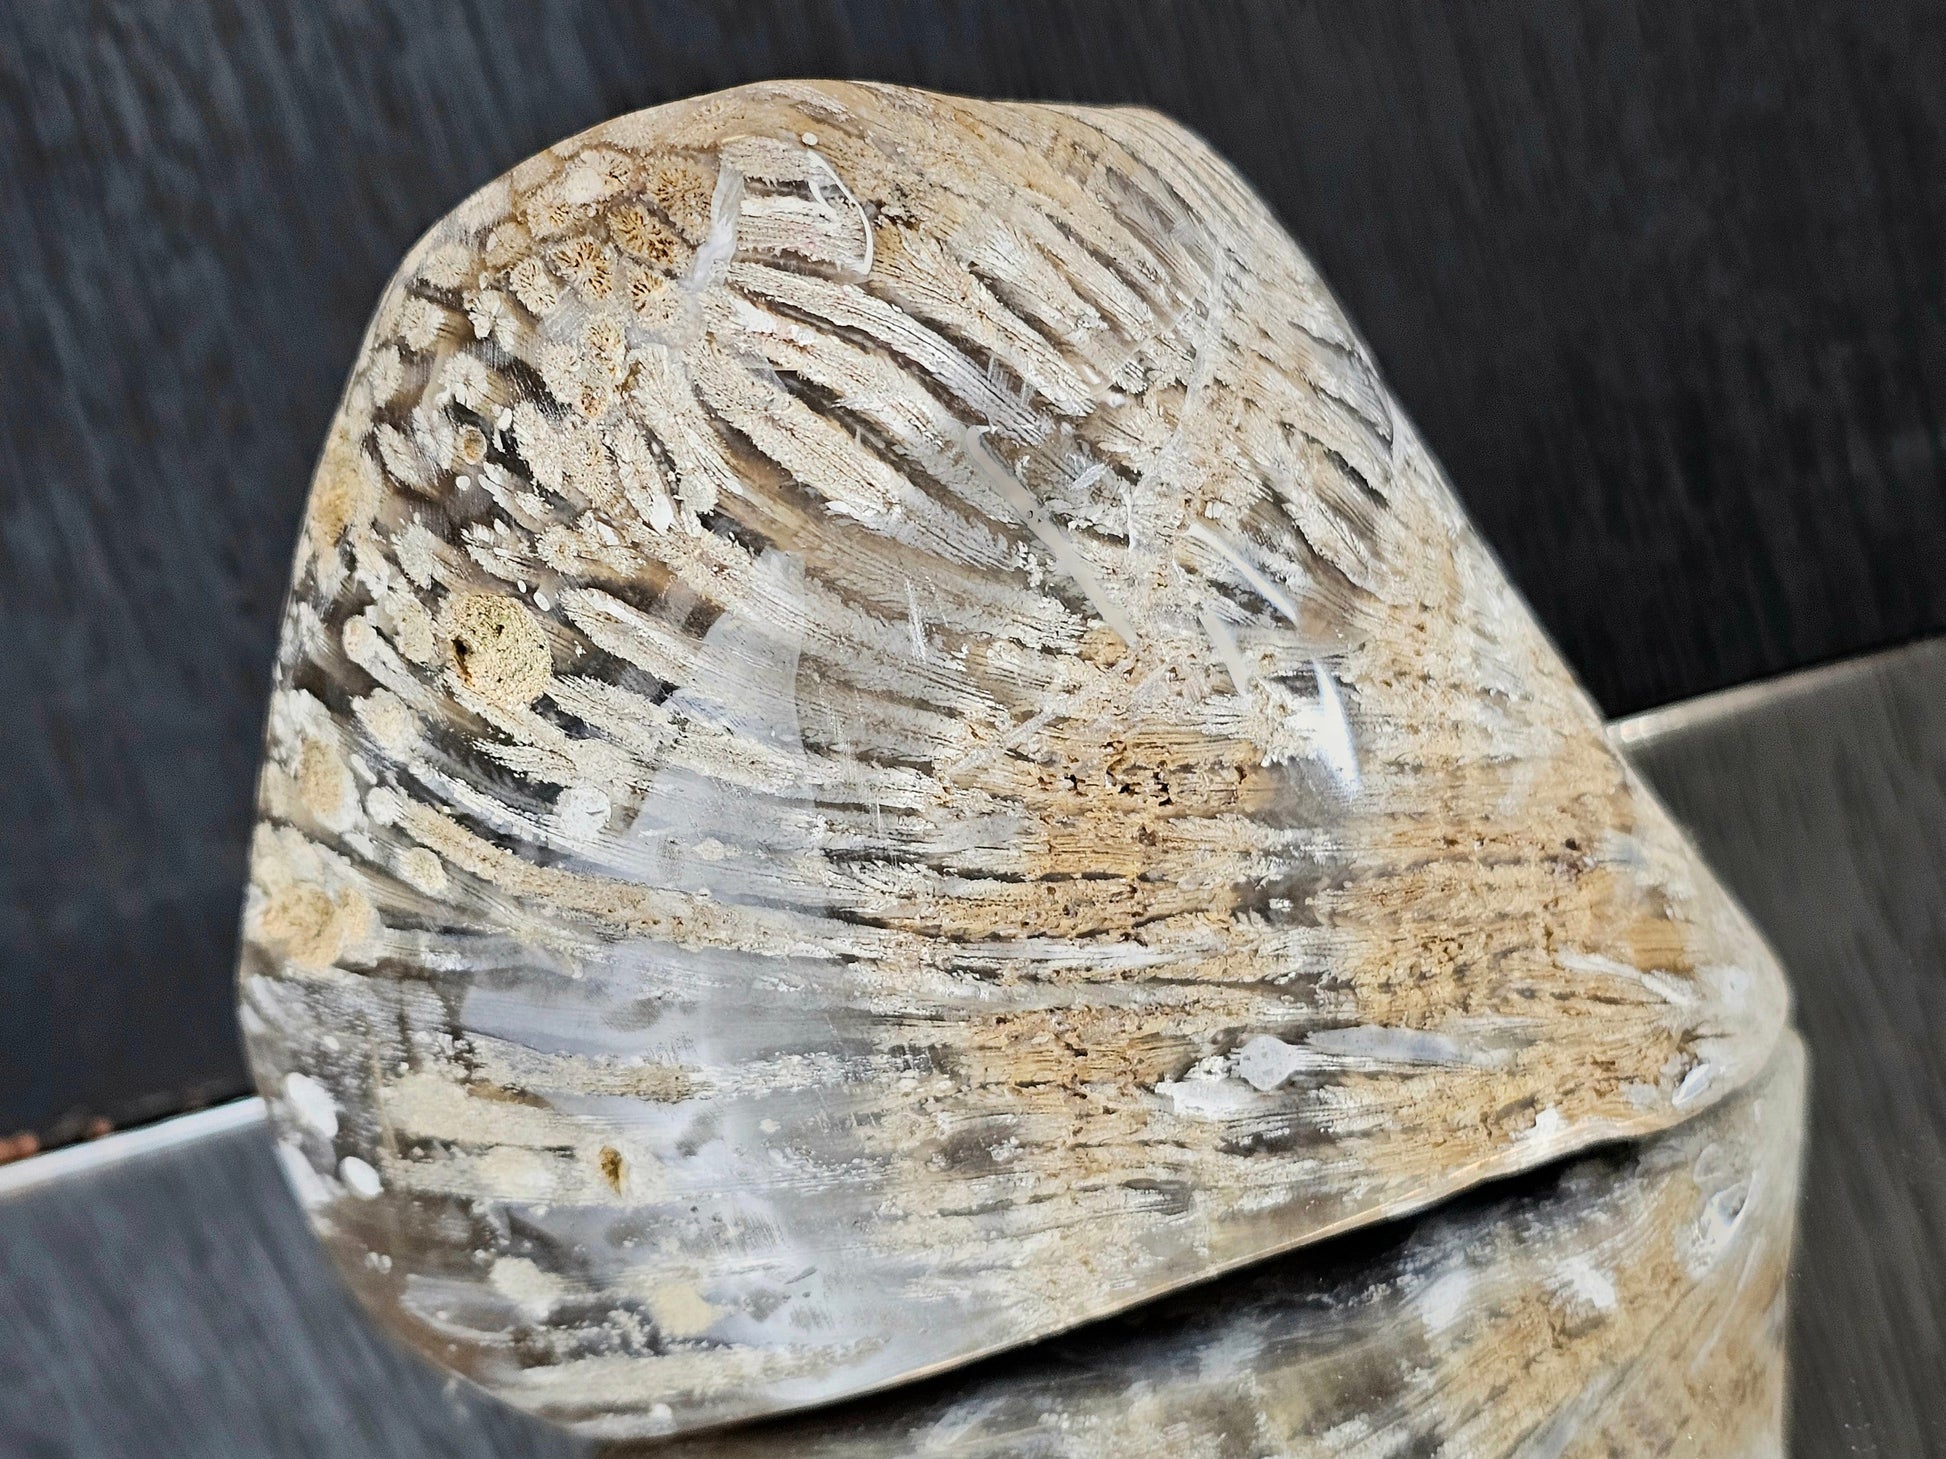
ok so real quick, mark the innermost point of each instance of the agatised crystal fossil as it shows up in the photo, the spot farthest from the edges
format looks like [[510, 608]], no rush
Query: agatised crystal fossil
[[886, 743], [1629, 1303]]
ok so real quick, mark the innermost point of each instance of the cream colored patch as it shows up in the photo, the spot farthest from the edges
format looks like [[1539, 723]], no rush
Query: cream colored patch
[[436, 1107], [496, 648], [423, 869], [413, 629], [390, 723], [343, 496], [360, 1178], [312, 927], [525, 1285], [312, 1103], [324, 785], [680, 1310], [513, 1173]]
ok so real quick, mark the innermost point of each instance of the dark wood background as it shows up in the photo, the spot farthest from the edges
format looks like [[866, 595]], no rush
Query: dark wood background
[[1661, 282]]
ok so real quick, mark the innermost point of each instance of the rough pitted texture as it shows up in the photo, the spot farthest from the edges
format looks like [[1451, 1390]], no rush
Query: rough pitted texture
[[886, 743]]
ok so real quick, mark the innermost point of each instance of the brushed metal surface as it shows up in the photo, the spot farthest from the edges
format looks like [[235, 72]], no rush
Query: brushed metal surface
[[172, 1302], [1822, 804]]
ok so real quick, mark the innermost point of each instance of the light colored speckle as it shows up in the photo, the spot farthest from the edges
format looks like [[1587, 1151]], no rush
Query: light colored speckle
[[496, 648], [1547, 1125], [1582, 1280], [523, 1283], [313, 926], [1695, 1084], [312, 1104], [680, 1310], [390, 723], [359, 1178], [1265, 1062], [1444, 1302], [582, 811], [423, 869], [417, 551], [325, 784]]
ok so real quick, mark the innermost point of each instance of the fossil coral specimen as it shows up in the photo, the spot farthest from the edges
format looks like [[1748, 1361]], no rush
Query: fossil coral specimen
[[886, 743]]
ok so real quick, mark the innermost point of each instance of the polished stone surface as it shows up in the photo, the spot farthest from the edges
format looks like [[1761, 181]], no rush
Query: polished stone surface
[[1821, 799], [887, 743]]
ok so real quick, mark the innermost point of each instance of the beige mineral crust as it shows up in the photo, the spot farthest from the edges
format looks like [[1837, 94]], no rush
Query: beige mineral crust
[[885, 743]]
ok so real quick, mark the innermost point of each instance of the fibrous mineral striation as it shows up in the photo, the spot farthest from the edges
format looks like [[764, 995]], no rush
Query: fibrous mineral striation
[[1627, 1303], [885, 742]]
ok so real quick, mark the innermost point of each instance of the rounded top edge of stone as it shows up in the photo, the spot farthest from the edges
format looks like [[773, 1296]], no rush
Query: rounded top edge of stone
[[779, 110]]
